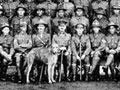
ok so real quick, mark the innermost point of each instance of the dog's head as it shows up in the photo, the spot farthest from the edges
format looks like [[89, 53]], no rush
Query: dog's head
[[55, 48]]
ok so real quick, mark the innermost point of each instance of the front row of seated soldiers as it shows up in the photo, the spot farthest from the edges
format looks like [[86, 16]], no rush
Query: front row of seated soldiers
[[80, 46]]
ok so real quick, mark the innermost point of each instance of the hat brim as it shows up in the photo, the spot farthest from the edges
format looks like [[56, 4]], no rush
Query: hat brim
[[57, 10], [5, 27], [108, 27], [79, 8], [36, 25], [21, 7]]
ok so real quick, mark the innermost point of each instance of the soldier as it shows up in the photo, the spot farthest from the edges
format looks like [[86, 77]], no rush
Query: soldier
[[85, 3], [10, 7], [69, 6], [80, 41], [97, 46], [116, 16], [6, 49], [100, 4], [79, 17], [49, 7], [112, 47], [60, 16], [3, 18], [22, 45], [21, 16], [63, 40], [103, 20], [41, 40], [40, 15]]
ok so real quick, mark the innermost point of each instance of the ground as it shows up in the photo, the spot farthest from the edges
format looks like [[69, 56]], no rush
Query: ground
[[62, 86], [79, 85]]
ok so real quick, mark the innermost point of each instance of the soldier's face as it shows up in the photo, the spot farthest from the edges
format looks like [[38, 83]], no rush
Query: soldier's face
[[41, 28], [66, 0], [80, 29], [39, 12], [79, 12], [112, 29], [23, 28], [21, 11], [116, 11], [99, 16], [29, 0], [61, 13], [6, 31], [96, 29], [62, 27]]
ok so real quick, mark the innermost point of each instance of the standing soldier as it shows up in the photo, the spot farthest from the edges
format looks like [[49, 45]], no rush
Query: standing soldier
[[63, 40], [69, 6], [85, 3], [97, 46], [112, 47], [103, 20], [115, 17], [3, 18], [80, 41], [60, 16], [40, 15], [79, 17], [10, 7], [49, 7], [21, 16], [22, 44], [97, 4], [6, 49]]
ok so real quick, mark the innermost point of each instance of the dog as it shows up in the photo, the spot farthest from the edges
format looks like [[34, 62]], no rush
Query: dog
[[48, 56]]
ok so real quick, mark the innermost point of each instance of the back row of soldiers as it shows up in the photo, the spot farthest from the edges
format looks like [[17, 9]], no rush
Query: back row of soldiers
[[82, 29]]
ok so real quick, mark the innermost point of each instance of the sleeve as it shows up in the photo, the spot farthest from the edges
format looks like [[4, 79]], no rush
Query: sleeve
[[118, 48], [73, 46], [69, 45], [88, 47]]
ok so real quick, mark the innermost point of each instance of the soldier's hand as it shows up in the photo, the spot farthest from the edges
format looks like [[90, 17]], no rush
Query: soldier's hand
[[66, 53], [63, 48], [83, 57], [92, 53]]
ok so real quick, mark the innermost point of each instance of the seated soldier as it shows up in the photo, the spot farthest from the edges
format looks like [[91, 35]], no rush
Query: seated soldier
[[6, 50], [63, 40], [97, 46], [81, 48], [112, 47], [22, 45]]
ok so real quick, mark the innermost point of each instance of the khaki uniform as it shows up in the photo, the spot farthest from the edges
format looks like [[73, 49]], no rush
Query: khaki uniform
[[97, 45], [10, 8]]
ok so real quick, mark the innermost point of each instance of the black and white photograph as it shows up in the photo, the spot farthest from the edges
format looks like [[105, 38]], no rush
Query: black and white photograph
[[59, 44]]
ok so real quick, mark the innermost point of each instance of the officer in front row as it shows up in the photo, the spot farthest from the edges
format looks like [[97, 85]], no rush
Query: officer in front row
[[6, 50], [81, 49], [97, 47], [63, 40], [112, 47]]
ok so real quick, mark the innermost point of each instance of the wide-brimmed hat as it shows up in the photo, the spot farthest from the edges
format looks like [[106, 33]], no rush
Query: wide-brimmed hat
[[79, 7], [5, 25], [111, 24]]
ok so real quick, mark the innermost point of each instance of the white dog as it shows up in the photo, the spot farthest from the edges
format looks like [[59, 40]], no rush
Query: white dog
[[51, 55]]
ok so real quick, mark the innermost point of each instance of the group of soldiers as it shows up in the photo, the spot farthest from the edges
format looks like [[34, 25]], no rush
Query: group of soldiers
[[86, 30]]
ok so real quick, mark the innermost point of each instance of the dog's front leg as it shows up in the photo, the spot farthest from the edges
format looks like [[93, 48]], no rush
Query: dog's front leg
[[49, 72]]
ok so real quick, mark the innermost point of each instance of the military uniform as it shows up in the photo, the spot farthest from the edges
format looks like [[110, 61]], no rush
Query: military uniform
[[50, 7], [97, 45], [84, 43], [100, 4], [63, 40], [115, 3], [83, 20], [10, 8], [6, 52], [22, 44], [69, 8], [84, 3]]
